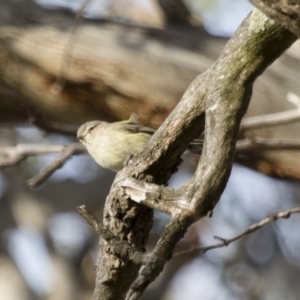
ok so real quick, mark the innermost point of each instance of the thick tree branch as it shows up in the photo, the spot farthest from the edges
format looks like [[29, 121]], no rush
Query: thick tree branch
[[254, 46], [173, 232], [213, 100], [284, 12]]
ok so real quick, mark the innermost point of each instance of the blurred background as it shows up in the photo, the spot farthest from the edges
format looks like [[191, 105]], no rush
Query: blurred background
[[47, 250]]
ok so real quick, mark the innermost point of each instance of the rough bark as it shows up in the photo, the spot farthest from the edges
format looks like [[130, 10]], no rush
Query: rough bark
[[257, 43], [112, 81], [285, 12]]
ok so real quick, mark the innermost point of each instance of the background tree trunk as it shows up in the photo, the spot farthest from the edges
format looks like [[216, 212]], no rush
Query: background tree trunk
[[106, 71]]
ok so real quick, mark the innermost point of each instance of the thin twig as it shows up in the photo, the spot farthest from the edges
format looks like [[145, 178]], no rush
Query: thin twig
[[122, 248], [66, 153], [51, 127], [60, 80], [259, 144], [10, 156], [225, 242], [293, 98], [275, 119], [268, 120], [94, 222]]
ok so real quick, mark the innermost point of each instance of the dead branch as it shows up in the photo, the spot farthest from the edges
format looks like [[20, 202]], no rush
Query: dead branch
[[225, 242], [151, 195], [276, 119], [66, 154], [10, 156], [121, 248], [60, 79], [251, 144]]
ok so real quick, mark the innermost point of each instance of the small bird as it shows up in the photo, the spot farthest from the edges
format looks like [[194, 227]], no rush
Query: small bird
[[110, 144]]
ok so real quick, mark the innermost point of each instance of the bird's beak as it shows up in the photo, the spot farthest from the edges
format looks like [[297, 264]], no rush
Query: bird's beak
[[80, 136]]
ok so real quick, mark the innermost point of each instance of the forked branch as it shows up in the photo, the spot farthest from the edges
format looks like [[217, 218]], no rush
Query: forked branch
[[254, 46]]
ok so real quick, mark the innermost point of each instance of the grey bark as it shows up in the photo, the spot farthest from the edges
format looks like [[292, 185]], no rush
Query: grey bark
[[99, 83], [285, 12], [221, 94]]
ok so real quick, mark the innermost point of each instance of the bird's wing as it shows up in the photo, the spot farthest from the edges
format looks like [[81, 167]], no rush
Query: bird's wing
[[133, 126]]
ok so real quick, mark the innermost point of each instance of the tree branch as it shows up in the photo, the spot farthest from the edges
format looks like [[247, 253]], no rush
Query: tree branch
[[257, 43], [225, 242], [176, 12], [276, 119], [60, 80], [10, 156], [211, 100], [173, 232], [153, 196], [121, 248], [66, 153], [252, 143], [284, 12]]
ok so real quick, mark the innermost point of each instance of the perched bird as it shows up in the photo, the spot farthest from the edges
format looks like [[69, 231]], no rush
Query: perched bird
[[110, 144]]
